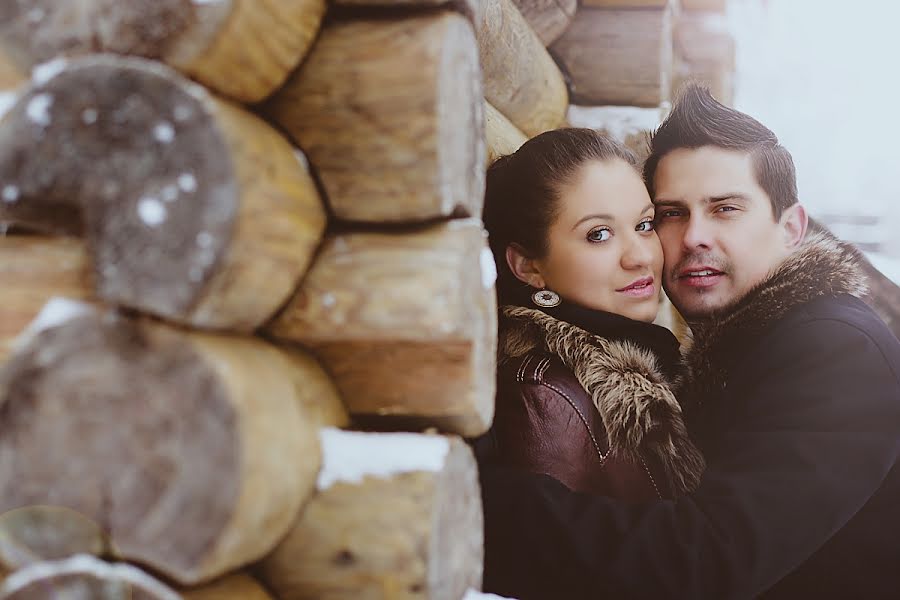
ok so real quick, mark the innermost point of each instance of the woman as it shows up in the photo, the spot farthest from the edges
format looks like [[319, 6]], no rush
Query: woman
[[585, 380]]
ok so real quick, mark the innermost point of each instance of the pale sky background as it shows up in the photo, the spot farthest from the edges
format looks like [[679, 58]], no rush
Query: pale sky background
[[824, 76]]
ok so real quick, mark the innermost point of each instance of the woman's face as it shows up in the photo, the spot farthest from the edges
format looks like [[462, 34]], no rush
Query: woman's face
[[603, 251]]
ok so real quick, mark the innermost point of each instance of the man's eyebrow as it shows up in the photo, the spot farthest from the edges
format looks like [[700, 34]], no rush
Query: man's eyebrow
[[724, 197], [601, 216]]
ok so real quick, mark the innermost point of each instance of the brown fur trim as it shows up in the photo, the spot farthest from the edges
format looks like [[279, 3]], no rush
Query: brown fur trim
[[636, 403], [822, 266]]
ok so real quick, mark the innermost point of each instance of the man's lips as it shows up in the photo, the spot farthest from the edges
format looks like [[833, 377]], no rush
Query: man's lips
[[701, 276], [639, 288]]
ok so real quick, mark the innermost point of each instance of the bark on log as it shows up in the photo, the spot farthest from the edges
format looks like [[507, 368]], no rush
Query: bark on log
[[704, 52], [520, 78], [617, 57], [390, 114], [548, 18], [502, 136], [395, 516], [210, 456], [39, 533], [406, 325], [35, 269], [195, 210], [83, 577], [243, 49], [238, 586]]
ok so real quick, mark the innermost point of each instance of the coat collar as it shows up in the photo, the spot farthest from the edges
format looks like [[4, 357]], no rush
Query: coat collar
[[626, 385], [823, 266]]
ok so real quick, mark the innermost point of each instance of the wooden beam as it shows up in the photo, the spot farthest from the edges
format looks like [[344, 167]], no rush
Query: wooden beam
[[405, 323], [243, 49], [195, 451], [520, 78], [389, 111], [617, 57], [195, 209]]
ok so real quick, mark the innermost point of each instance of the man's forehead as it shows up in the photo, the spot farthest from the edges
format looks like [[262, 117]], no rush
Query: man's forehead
[[697, 174]]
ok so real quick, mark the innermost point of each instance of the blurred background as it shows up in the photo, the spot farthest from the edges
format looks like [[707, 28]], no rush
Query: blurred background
[[822, 75]]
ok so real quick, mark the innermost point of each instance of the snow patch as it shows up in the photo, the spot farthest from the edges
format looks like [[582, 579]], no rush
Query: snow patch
[[55, 312], [10, 193], [38, 109], [187, 182], [617, 121], [164, 132], [476, 595], [348, 456], [151, 211], [204, 239], [301, 158], [44, 72], [488, 268]]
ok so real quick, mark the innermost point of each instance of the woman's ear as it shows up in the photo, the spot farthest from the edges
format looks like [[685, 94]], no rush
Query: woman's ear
[[524, 268]]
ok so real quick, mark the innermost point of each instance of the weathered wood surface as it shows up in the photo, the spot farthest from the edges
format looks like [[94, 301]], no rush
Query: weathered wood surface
[[243, 49], [237, 586], [405, 323], [520, 78], [83, 577], [194, 451], [629, 3], [704, 52], [34, 269], [195, 210], [502, 136], [548, 18], [39, 533], [617, 57], [390, 113], [717, 6], [394, 516]]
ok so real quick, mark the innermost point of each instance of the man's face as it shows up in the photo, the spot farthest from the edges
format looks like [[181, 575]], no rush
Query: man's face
[[717, 229]]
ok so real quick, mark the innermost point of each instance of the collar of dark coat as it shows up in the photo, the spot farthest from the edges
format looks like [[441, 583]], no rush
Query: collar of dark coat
[[635, 401], [822, 266]]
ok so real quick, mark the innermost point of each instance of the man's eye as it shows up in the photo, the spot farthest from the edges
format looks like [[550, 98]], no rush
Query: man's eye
[[646, 225], [726, 209], [599, 235], [668, 214]]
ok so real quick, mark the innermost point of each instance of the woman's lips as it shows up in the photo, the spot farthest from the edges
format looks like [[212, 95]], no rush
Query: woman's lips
[[640, 288]]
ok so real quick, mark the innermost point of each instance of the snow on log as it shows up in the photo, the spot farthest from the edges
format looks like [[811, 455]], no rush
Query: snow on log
[[394, 515], [628, 125], [194, 209]]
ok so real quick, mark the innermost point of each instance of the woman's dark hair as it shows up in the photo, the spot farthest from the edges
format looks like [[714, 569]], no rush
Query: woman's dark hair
[[697, 120], [523, 190]]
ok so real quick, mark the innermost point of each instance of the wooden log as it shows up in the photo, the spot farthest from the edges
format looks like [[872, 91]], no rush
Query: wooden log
[[704, 52], [195, 210], [471, 9], [717, 6], [194, 451], [243, 49], [38, 533], [394, 516], [520, 78], [548, 18], [629, 3], [37, 268], [83, 577], [628, 125], [617, 57], [237, 586], [502, 136], [405, 323], [391, 116]]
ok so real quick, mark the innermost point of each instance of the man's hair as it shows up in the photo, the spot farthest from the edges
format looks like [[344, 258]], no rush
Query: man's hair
[[698, 120]]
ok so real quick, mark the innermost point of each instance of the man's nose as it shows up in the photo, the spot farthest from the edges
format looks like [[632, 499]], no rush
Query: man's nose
[[697, 233]]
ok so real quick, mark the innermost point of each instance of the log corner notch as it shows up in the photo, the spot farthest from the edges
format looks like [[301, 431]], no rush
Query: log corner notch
[[406, 325], [548, 18], [618, 56], [213, 450], [243, 49], [392, 511], [194, 209], [390, 113]]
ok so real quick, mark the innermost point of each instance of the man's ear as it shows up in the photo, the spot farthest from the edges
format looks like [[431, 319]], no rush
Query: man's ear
[[794, 221], [523, 267]]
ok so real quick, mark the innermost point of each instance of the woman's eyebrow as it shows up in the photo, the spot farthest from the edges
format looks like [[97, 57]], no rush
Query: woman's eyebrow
[[602, 216]]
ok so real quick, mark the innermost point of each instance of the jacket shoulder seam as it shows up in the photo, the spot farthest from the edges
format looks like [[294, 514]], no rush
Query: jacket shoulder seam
[[580, 416]]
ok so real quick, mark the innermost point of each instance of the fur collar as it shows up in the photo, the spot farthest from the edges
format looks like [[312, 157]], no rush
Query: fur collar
[[635, 401], [822, 266]]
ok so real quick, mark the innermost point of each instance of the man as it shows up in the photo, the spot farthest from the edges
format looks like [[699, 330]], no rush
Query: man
[[795, 402]]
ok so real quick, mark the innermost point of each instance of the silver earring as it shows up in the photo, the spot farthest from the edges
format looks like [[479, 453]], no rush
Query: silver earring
[[546, 298]]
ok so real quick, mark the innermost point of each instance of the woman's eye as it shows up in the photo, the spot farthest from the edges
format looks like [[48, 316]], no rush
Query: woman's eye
[[599, 235], [644, 226]]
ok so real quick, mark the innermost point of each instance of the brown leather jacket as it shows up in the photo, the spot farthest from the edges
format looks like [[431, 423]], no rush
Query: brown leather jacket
[[597, 415]]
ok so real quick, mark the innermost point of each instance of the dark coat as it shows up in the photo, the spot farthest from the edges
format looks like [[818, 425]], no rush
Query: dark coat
[[596, 414], [797, 393]]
